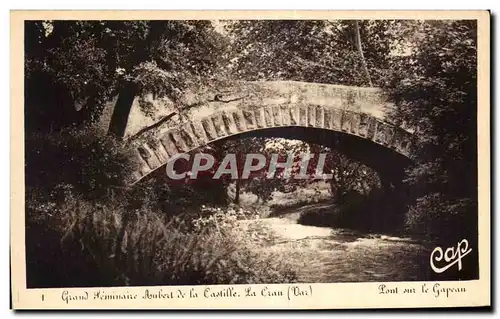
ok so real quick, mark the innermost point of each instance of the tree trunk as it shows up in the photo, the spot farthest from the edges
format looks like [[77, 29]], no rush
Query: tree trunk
[[237, 192], [121, 110], [143, 52], [360, 50]]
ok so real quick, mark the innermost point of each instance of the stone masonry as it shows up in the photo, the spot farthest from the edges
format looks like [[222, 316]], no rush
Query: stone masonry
[[154, 153]]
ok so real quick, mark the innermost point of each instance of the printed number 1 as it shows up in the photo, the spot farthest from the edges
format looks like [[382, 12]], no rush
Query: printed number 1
[[43, 297]]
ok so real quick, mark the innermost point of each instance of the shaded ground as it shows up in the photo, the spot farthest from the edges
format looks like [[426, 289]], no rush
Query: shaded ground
[[323, 254]]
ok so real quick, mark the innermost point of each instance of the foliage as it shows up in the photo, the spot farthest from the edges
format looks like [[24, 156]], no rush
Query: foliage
[[348, 175], [221, 220], [258, 184], [369, 212], [309, 50], [435, 91], [93, 165], [78, 243], [435, 216], [85, 228], [73, 67], [264, 187]]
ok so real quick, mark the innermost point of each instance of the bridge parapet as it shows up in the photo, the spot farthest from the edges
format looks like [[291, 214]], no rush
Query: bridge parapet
[[261, 93], [256, 94]]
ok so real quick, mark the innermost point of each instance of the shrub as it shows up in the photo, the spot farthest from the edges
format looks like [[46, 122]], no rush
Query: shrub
[[359, 212], [84, 228], [81, 244], [221, 219], [94, 165], [436, 216], [329, 217]]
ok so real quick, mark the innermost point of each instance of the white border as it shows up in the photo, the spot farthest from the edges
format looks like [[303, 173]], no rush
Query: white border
[[146, 4]]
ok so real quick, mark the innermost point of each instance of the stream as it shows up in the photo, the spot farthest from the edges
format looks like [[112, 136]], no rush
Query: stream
[[324, 254]]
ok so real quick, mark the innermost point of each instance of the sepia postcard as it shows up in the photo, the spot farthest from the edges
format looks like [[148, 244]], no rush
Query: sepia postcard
[[250, 160]]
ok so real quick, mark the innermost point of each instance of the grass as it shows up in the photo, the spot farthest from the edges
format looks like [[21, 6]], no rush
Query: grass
[[78, 243], [85, 229]]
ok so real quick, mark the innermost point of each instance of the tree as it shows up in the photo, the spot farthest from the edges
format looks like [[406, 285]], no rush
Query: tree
[[74, 67], [348, 175], [257, 183], [434, 87], [360, 50], [264, 187], [311, 50]]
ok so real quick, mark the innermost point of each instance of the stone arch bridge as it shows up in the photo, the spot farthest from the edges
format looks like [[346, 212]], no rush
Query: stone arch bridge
[[353, 119]]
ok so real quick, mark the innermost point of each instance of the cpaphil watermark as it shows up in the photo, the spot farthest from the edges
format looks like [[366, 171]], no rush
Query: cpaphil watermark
[[247, 166]]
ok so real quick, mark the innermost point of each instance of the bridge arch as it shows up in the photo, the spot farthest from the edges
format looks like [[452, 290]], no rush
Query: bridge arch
[[387, 147]]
